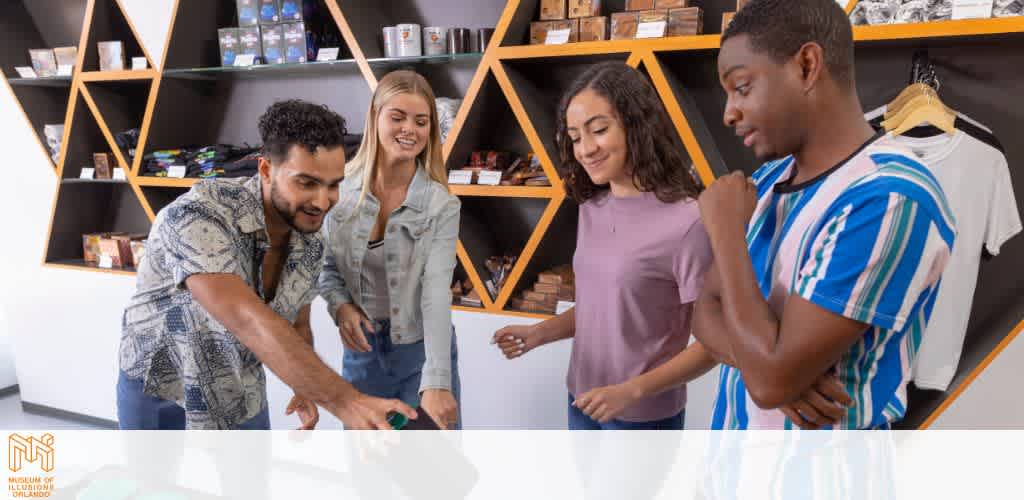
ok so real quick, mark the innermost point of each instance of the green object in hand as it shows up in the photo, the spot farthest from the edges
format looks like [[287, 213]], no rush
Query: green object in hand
[[397, 420]]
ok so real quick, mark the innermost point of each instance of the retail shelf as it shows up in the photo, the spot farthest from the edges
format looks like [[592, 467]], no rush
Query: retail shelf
[[308, 69], [503, 191], [81, 265], [939, 29], [142, 180], [49, 81], [93, 181], [116, 76], [698, 42], [397, 62]]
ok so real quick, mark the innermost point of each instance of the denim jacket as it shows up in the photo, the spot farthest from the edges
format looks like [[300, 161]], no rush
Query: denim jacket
[[419, 247]]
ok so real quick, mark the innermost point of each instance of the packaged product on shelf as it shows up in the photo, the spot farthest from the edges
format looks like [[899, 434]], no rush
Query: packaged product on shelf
[[111, 55], [291, 10], [43, 62], [111, 248], [584, 8], [270, 11], [66, 56], [229, 45], [458, 41], [624, 25], [295, 42], [126, 244], [635, 5], [593, 29], [273, 43], [874, 12], [91, 247], [685, 21], [390, 41], [248, 12], [410, 40], [138, 247], [539, 32], [498, 268], [652, 23], [447, 108], [54, 135], [435, 41], [726, 19], [561, 275], [671, 4], [249, 43], [553, 10], [1008, 8], [103, 163], [483, 38]]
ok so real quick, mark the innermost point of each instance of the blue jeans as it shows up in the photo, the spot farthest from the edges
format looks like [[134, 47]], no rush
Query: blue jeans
[[139, 411], [579, 421], [393, 371]]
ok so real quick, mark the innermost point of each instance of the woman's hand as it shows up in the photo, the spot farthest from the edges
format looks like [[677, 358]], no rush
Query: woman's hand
[[351, 325]]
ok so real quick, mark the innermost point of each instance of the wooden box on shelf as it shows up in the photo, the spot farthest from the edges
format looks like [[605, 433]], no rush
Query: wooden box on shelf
[[553, 10], [102, 162], [593, 29], [584, 8], [671, 4], [685, 21], [624, 25], [726, 19], [635, 5], [539, 30]]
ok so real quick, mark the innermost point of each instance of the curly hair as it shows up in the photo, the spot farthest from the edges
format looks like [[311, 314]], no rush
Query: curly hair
[[655, 153], [297, 122], [779, 28]]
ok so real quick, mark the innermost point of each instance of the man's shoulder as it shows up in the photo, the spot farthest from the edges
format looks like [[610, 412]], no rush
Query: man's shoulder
[[221, 200]]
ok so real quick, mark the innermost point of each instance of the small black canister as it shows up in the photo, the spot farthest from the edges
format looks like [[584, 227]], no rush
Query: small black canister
[[458, 41], [483, 38]]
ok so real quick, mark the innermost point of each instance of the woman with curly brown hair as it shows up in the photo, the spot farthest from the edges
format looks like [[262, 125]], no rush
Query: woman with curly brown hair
[[640, 258]]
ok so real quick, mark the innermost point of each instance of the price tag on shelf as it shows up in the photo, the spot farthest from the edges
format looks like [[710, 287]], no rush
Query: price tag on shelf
[[65, 70], [327, 54], [26, 72], [972, 9], [87, 173], [489, 178], [176, 171], [460, 177], [139, 63], [563, 306], [557, 37], [654, 29], [243, 60], [119, 174], [106, 262]]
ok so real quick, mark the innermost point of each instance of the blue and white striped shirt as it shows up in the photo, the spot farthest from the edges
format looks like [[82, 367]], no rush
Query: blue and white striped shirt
[[867, 240]]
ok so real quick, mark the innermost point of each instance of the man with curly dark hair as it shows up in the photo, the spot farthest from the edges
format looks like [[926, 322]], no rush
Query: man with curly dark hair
[[230, 272]]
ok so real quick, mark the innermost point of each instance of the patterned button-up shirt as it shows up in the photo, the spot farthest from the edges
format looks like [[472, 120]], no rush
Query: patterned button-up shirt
[[176, 347]]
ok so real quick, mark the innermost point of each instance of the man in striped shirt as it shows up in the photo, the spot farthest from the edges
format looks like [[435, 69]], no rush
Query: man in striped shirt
[[829, 259]]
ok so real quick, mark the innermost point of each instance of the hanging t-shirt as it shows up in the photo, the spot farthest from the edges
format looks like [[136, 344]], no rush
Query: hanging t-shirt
[[639, 266], [867, 240], [976, 180]]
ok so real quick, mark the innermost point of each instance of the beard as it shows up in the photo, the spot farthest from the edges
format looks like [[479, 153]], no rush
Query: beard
[[289, 214]]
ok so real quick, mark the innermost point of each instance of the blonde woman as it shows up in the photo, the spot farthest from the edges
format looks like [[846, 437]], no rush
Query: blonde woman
[[391, 253]]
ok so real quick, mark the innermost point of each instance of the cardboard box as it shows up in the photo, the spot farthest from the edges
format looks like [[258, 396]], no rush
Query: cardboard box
[[294, 42], [273, 43], [270, 11], [553, 10], [593, 29], [291, 10], [671, 4], [624, 25], [652, 23], [726, 19], [111, 55], [249, 42], [635, 5], [539, 31], [584, 8], [687, 21], [248, 12], [110, 248], [229, 45], [104, 165], [66, 56], [44, 62]]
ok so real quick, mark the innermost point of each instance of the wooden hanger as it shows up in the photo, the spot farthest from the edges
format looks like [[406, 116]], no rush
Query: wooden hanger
[[930, 111], [913, 90]]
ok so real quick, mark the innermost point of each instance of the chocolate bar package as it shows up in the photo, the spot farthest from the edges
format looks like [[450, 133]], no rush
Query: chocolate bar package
[[291, 10], [561, 275], [229, 45], [687, 21], [624, 25], [110, 248], [539, 32], [552, 10], [295, 42], [66, 56], [249, 42], [44, 62], [103, 163], [138, 251], [634, 5], [671, 4], [111, 55], [126, 244], [653, 16], [593, 29], [248, 12], [270, 11], [273, 43], [91, 247], [584, 8], [726, 19]]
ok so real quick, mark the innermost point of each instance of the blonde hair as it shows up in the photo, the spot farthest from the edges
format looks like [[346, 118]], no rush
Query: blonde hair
[[430, 159]]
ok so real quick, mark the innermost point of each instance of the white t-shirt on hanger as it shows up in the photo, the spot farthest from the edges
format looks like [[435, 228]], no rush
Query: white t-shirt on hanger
[[976, 180]]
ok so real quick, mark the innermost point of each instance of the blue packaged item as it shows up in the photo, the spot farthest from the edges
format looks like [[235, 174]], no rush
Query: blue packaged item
[[291, 10], [270, 11], [228, 39], [273, 43], [295, 42], [247, 12]]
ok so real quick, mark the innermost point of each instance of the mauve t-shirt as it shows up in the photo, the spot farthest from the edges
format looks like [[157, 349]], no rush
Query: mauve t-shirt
[[639, 267]]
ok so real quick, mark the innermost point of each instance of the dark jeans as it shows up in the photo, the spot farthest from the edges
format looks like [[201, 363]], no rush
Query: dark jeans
[[137, 410], [579, 421]]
